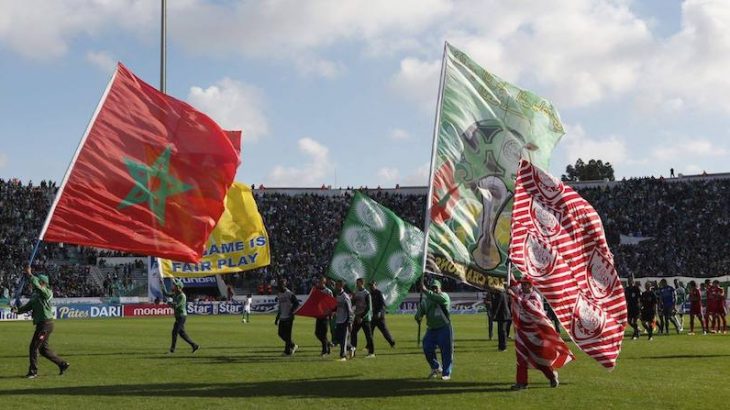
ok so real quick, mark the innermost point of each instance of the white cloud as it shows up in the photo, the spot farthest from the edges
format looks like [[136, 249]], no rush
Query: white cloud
[[318, 67], [313, 173], [44, 31], [419, 176], [579, 145], [418, 81], [234, 105], [693, 147], [3, 160], [388, 174], [103, 60], [399, 134]]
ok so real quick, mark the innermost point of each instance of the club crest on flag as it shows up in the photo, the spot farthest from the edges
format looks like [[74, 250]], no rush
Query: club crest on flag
[[370, 216], [600, 275], [361, 241], [539, 259], [545, 220], [588, 320], [548, 186]]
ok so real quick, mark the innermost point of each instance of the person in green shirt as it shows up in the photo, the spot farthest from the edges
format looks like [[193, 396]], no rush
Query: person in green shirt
[[42, 312], [435, 306], [179, 303]]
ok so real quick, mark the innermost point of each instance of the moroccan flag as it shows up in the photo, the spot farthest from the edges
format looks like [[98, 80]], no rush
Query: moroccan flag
[[375, 244], [149, 176], [317, 305], [558, 240], [483, 124], [238, 243]]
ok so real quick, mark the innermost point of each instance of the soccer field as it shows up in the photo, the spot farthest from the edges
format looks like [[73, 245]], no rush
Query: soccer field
[[121, 363]]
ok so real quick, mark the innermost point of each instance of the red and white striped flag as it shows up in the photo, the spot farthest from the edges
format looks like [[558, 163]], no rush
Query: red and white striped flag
[[558, 240]]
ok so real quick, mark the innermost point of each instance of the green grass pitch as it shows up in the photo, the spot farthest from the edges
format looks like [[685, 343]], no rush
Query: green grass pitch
[[121, 363]]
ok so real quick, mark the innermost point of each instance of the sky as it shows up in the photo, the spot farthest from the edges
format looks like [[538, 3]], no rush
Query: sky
[[344, 93]]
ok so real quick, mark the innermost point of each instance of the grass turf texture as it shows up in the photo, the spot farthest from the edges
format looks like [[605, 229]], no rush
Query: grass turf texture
[[121, 363]]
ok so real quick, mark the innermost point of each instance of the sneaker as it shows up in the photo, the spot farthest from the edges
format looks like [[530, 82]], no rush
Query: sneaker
[[31, 376], [342, 359], [392, 345], [554, 382], [195, 348], [294, 349], [690, 333], [518, 386], [446, 377], [324, 354], [353, 350], [171, 351], [435, 373], [651, 338], [63, 367], [370, 356]]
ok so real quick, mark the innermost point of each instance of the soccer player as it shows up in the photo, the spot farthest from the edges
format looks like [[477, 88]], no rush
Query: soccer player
[[246, 314], [695, 308], [179, 303], [322, 323], [537, 343], [681, 293], [668, 300], [378, 320], [344, 317], [648, 309], [435, 307], [633, 305], [288, 303], [719, 308], [363, 315], [42, 313]]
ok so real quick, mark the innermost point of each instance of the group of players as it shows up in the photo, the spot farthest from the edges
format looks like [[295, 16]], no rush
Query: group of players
[[662, 304]]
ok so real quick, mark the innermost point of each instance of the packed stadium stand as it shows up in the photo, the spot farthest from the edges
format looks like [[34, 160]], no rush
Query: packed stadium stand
[[656, 227]]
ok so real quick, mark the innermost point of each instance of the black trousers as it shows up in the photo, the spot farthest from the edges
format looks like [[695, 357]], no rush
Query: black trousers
[[633, 319], [367, 329], [39, 344], [490, 323], [342, 337], [320, 330], [379, 323], [285, 326], [501, 335], [179, 329]]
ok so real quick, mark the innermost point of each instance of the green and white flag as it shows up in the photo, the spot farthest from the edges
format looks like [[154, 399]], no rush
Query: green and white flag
[[482, 127], [375, 244]]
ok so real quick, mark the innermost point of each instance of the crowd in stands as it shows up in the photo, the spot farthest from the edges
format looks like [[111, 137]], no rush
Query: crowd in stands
[[687, 223]]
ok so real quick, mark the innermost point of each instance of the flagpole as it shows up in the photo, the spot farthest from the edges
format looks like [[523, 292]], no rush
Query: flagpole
[[427, 217], [163, 47]]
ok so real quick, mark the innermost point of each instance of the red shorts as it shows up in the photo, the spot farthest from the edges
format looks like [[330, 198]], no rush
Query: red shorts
[[695, 309]]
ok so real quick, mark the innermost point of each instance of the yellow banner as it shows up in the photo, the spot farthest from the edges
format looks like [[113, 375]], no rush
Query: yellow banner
[[239, 241]]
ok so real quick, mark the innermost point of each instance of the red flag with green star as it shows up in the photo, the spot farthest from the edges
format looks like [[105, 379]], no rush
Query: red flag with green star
[[149, 177]]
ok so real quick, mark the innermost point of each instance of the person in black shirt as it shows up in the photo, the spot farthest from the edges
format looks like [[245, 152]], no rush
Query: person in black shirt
[[378, 320], [500, 314], [633, 306], [648, 309]]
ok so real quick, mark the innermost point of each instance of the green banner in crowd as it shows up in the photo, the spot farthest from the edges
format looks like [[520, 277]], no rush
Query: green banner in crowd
[[484, 124], [375, 244]]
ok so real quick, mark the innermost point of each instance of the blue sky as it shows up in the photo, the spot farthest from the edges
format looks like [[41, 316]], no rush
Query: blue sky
[[347, 90]]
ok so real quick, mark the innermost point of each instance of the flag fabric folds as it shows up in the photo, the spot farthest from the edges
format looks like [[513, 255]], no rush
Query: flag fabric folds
[[537, 343], [483, 124], [317, 305], [558, 240], [149, 176], [238, 243], [375, 244]]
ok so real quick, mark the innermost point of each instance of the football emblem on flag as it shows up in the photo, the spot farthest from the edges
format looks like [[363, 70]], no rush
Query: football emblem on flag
[[370, 215], [549, 186], [401, 267], [539, 257], [588, 320], [600, 275], [545, 220], [361, 241], [347, 267], [411, 240]]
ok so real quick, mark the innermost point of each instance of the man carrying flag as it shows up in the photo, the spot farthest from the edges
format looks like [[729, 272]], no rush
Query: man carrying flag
[[179, 302], [40, 306], [322, 323], [435, 306], [537, 343]]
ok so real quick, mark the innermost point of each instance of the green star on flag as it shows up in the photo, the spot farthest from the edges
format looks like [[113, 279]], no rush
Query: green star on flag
[[142, 191]]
